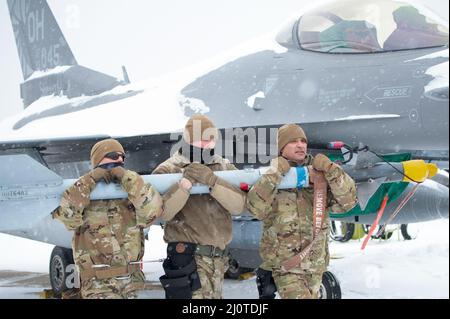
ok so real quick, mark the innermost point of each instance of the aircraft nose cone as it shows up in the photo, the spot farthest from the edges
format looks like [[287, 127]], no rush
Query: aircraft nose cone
[[436, 200], [434, 108], [442, 205]]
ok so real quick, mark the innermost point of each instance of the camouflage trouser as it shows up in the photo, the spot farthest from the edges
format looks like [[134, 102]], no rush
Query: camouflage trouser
[[297, 286], [111, 288], [71, 294], [211, 272]]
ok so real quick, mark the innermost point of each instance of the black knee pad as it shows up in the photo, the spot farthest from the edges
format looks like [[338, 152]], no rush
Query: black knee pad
[[181, 278], [266, 284]]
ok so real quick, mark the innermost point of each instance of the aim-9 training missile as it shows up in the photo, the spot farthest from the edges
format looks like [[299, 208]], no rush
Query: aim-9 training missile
[[40, 181], [27, 188]]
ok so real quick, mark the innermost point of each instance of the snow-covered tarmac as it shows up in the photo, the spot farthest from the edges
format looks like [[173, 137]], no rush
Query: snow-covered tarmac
[[385, 269]]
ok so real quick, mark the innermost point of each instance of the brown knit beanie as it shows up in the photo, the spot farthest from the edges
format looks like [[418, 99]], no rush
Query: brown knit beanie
[[199, 127], [289, 133], [102, 148]]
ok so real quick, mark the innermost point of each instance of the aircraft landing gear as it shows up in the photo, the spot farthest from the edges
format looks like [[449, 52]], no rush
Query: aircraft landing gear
[[409, 232], [330, 287], [341, 231], [235, 270], [60, 261], [385, 235]]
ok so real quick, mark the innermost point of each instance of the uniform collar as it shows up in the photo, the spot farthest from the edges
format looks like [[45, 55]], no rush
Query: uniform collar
[[184, 161], [308, 161]]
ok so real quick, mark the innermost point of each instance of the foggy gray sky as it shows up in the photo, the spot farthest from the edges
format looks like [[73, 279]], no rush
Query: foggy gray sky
[[149, 37]]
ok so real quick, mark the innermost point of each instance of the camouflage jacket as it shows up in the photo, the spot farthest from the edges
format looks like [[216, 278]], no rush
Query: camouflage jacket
[[287, 217], [109, 232], [202, 219]]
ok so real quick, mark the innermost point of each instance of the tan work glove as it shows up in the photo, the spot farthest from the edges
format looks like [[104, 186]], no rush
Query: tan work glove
[[281, 164], [117, 173], [198, 173], [99, 173], [322, 163], [185, 184]]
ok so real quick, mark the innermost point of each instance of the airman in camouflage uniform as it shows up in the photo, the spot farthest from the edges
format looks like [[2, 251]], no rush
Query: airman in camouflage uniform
[[198, 227], [109, 233], [287, 217]]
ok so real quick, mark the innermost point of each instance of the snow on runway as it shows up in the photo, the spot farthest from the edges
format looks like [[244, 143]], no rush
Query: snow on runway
[[385, 269]]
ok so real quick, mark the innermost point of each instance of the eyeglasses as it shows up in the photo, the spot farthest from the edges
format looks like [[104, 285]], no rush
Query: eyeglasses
[[115, 156]]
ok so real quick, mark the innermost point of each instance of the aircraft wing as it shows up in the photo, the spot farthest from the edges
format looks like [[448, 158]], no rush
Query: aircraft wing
[[69, 157]]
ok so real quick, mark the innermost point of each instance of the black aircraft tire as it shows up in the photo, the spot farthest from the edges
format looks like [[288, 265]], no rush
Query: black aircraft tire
[[349, 231], [234, 270], [404, 231], [59, 260], [330, 287]]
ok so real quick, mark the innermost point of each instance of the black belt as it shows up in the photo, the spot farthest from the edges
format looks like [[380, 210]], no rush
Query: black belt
[[191, 248]]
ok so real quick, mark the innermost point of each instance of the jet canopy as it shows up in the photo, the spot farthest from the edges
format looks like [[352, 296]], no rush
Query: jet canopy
[[354, 26]]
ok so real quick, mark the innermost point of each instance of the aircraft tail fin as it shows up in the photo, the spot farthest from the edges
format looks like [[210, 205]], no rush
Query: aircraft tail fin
[[48, 64], [40, 43]]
